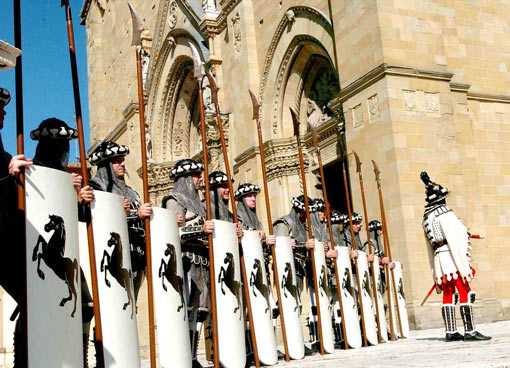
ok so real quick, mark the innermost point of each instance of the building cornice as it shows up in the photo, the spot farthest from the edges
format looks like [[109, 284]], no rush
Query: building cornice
[[8, 55], [487, 97], [380, 72]]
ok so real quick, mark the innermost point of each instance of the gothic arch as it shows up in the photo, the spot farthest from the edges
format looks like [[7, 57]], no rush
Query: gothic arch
[[303, 31]]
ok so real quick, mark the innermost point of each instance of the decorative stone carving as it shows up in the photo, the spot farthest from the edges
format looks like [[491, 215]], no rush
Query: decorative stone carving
[[209, 7], [171, 43], [432, 105], [172, 15], [315, 115], [146, 60], [357, 116], [148, 143], [208, 102], [409, 99], [291, 16], [373, 108], [178, 139], [131, 129], [236, 31]]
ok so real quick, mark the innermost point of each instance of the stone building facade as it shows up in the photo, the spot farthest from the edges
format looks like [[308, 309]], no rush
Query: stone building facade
[[413, 85]]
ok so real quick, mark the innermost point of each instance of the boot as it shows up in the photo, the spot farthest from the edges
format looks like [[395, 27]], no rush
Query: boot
[[450, 323], [194, 337], [470, 334]]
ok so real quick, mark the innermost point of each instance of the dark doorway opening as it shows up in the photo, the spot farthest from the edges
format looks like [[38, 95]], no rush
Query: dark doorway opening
[[334, 179]]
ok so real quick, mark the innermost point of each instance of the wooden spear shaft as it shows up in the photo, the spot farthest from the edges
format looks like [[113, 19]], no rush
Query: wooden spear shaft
[[353, 247], [271, 231], [372, 269], [146, 199], [332, 240], [214, 312], [214, 90], [21, 214], [84, 174], [310, 234], [386, 267]]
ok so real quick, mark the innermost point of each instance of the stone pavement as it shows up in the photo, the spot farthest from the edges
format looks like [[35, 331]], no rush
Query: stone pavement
[[425, 348]]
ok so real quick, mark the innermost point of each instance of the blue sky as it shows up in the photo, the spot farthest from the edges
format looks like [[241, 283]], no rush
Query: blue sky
[[47, 84]]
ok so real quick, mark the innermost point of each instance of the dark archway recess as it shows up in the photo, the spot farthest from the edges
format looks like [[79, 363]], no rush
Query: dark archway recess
[[334, 179]]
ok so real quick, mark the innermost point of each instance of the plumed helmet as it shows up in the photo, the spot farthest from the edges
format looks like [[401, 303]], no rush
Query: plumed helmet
[[53, 128], [106, 151], [5, 96], [218, 178], [434, 192], [338, 218], [319, 204], [185, 167], [245, 189], [374, 225], [299, 203]]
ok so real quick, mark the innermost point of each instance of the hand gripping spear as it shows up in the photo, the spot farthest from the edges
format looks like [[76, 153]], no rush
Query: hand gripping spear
[[84, 174], [387, 250], [315, 139], [137, 41], [269, 220], [197, 73], [353, 247], [295, 122], [21, 178], [214, 95], [374, 286]]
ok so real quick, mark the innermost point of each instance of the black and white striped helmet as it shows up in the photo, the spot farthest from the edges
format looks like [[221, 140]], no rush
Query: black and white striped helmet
[[106, 151], [299, 203], [319, 204], [434, 192], [356, 217], [5, 96], [245, 189], [218, 178], [185, 167], [53, 128], [374, 225], [338, 218]]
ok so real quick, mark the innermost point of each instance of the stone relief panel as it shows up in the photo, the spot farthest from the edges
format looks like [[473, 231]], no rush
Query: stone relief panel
[[172, 15], [236, 31], [357, 116], [432, 103], [373, 108], [409, 101]]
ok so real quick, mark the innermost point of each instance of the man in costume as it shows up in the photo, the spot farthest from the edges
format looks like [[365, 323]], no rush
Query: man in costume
[[186, 204], [52, 150], [449, 239], [377, 242], [338, 224], [109, 157], [12, 260]]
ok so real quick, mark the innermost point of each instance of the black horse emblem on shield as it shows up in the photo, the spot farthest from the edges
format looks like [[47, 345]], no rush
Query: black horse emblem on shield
[[257, 281], [323, 282], [52, 252], [400, 289], [227, 277], [113, 265], [347, 285], [168, 271], [288, 285], [366, 284]]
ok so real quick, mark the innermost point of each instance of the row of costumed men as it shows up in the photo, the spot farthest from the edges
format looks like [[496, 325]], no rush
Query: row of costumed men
[[59, 297]]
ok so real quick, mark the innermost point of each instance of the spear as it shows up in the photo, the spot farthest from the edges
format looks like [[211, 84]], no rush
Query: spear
[[256, 106], [387, 249], [295, 122], [84, 174], [315, 139], [353, 247], [137, 41], [197, 73], [21, 213], [374, 288], [214, 95]]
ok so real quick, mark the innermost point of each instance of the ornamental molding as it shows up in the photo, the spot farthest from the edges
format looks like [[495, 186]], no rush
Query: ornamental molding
[[487, 97], [380, 72]]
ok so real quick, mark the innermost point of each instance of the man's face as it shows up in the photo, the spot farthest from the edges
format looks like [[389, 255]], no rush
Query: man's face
[[197, 180], [2, 114], [119, 167], [356, 226], [302, 215], [251, 200], [379, 231], [224, 192], [341, 226], [321, 215]]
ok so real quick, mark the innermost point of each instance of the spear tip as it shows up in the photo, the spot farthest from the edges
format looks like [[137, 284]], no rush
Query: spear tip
[[358, 162], [315, 136], [197, 62], [255, 105], [295, 122], [137, 26]]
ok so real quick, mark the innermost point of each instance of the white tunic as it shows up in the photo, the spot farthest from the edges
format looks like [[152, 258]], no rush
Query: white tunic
[[453, 257]]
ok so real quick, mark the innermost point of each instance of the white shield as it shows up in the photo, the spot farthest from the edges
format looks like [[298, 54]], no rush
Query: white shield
[[321, 274], [115, 281], [393, 314], [399, 283], [381, 316], [348, 292], [167, 276], [366, 296], [53, 271], [229, 305], [259, 297], [290, 297]]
